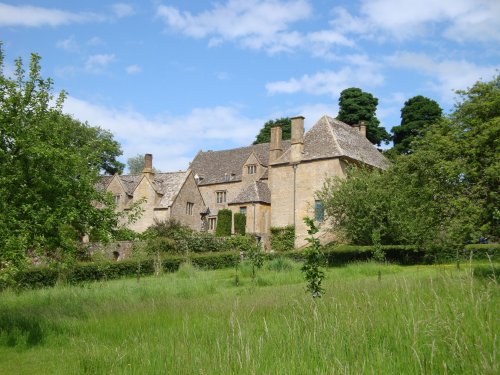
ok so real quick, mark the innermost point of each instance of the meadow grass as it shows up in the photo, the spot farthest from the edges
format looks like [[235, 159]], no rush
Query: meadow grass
[[410, 320]]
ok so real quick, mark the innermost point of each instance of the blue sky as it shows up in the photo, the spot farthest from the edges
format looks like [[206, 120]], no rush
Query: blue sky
[[174, 77]]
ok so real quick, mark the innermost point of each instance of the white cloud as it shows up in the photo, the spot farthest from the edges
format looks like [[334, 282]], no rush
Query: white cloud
[[122, 10], [97, 63], [327, 82], [95, 41], [173, 149], [446, 76], [32, 16], [459, 20], [69, 44], [133, 69], [254, 24]]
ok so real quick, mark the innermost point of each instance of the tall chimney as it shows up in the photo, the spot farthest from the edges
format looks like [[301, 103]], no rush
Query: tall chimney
[[362, 128], [276, 146], [148, 163], [297, 147]]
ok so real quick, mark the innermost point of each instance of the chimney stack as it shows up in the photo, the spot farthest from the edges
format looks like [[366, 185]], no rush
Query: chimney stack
[[148, 163], [276, 146], [362, 128], [297, 142]]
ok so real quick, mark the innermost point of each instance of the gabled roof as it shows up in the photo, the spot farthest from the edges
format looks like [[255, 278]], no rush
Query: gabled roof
[[255, 192], [213, 166], [167, 184], [331, 138]]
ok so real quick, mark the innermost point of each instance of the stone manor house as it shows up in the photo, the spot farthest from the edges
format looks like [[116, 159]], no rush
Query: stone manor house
[[274, 183]]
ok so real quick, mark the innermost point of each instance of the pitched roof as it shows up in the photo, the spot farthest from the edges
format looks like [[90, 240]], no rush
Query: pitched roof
[[330, 138], [213, 166], [169, 184], [166, 184], [254, 192], [103, 182]]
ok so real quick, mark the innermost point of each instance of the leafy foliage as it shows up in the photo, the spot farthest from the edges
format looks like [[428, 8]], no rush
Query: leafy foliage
[[442, 195], [314, 260], [49, 165], [135, 165], [355, 106], [264, 135], [224, 223], [417, 115], [240, 222], [283, 238]]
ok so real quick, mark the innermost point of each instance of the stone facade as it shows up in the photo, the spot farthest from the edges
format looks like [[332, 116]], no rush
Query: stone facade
[[163, 196], [274, 183]]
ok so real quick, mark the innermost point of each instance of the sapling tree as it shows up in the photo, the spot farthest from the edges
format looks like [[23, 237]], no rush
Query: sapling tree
[[314, 261], [256, 258]]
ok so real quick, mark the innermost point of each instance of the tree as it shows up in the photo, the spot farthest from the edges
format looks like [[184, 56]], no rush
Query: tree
[[441, 195], [264, 135], [49, 166], [356, 106], [135, 165], [417, 115]]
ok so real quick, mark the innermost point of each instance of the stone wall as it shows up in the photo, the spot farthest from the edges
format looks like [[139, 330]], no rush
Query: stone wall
[[188, 193]]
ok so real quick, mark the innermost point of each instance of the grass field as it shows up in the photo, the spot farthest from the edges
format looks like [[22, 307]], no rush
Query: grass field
[[411, 320]]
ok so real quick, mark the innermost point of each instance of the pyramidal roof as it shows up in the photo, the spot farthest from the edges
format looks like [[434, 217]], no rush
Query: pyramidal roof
[[331, 138]]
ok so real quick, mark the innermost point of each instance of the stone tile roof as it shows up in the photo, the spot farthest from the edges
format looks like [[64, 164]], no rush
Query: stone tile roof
[[103, 183], [254, 192], [167, 184], [213, 166], [330, 138]]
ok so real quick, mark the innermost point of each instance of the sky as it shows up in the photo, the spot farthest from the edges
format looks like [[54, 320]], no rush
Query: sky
[[174, 77]]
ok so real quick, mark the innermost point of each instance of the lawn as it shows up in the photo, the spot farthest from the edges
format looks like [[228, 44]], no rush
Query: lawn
[[373, 319]]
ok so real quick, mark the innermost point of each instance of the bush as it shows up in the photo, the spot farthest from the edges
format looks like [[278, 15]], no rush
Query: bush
[[239, 243], [283, 238], [170, 228], [162, 245], [224, 221], [240, 222], [200, 242], [280, 264], [491, 272]]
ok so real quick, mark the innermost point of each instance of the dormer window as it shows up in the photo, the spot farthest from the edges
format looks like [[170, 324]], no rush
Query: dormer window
[[252, 169]]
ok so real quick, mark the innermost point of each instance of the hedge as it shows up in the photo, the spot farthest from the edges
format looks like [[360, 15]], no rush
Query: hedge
[[224, 223], [240, 222], [42, 276], [283, 238]]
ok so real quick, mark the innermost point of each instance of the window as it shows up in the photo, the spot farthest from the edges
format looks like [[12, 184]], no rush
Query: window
[[221, 196], [189, 208], [212, 223], [243, 210], [252, 169], [116, 199], [319, 211]]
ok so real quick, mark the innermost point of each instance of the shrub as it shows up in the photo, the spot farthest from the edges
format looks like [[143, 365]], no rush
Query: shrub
[[283, 238], [280, 264], [240, 222], [239, 243], [224, 221], [491, 272], [200, 242], [170, 228], [162, 245]]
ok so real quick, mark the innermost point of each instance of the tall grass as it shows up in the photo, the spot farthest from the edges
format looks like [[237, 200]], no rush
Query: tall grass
[[414, 320]]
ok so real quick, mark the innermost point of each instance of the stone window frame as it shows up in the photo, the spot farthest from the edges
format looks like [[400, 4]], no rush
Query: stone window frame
[[116, 199], [221, 196], [243, 210], [189, 208], [252, 168], [212, 223]]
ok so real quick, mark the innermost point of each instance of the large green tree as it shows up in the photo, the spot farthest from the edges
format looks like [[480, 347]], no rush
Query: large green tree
[[355, 106], [264, 135], [417, 115], [49, 166], [441, 195]]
